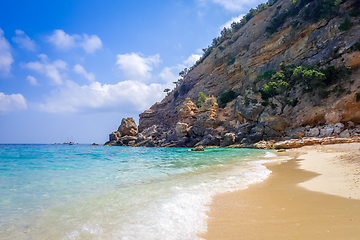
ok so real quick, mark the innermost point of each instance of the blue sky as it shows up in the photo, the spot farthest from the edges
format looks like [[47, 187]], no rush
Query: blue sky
[[76, 68]]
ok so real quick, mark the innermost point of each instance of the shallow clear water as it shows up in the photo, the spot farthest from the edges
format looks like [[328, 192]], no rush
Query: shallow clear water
[[96, 192]]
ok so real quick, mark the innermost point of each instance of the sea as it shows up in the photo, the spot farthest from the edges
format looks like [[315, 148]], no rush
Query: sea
[[99, 192]]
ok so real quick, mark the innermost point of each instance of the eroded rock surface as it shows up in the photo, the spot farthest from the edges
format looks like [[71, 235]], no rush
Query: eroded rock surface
[[235, 64]]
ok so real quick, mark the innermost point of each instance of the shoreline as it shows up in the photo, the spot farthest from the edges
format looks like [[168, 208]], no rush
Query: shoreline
[[296, 201]]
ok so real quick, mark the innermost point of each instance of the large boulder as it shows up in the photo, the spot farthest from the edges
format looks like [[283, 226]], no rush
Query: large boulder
[[188, 113], [254, 137], [345, 134], [326, 132], [181, 129], [128, 127], [276, 123], [145, 143], [182, 142], [205, 141], [207, 114], [313, 132], [197, 149], [297, 133], [171, 137], [149, 132], [127, 140], [338, 128], [251, 112], [114, 136], [192, 142], [228, 139]]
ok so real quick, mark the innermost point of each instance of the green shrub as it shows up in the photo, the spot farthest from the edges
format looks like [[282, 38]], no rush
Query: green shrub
[[221, 48], [346, 24], [265, 103], [342, 71], [334, 74], [267, 75], [358, 97], [355, 47], [295, 23], [226, 97], [354, 12], [294, 102], [309, 74], [324, 94], [339, 89], [201, 99]]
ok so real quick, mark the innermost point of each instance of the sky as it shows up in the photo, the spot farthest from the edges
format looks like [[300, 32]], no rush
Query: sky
[[71, 70]]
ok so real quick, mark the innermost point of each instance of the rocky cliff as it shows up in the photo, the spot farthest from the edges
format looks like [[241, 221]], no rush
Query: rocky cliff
[[287, 70]]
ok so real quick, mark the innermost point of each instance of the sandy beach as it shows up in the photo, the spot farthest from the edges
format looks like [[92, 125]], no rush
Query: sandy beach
[[316, 195]]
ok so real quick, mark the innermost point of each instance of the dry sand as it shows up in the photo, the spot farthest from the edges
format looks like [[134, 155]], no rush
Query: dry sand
[[313, 196]]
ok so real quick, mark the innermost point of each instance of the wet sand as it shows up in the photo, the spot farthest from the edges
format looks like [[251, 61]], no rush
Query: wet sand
[[312, 196]]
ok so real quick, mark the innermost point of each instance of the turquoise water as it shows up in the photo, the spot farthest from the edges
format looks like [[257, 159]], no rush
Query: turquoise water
[[97, 192]]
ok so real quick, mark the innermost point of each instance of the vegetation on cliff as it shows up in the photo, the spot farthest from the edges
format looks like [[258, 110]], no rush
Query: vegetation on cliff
[[300, 10], [276, 84], [299, 79]]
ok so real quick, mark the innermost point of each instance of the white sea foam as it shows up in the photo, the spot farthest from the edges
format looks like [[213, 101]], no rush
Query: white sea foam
[[182, 213], [179, 212], [270, 155]]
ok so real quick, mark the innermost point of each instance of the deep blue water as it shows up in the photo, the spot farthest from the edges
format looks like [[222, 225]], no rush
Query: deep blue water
[[97, 192]]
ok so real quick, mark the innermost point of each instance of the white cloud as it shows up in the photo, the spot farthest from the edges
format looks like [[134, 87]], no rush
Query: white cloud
[[51, 70], [81, 70], [122, 96], [6, 58], [64, 41], [12, 102], [24, 41], [91, 44], [234, 19], [192, 59], [234, 5], [32, 80], [137, 67]]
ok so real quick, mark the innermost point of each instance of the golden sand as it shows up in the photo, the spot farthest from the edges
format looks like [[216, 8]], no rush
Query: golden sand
[[283, 207]]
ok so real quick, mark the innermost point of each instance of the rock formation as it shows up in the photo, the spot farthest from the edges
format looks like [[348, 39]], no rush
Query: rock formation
[[293, 78], [128, 127]]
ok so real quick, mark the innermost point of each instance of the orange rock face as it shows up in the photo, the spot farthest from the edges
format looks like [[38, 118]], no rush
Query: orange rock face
[[348, 109], [296, 143], [188, 112], [128, 127], [207, 116]]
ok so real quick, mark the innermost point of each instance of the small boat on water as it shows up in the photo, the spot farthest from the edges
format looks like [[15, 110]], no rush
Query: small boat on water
[[71, 142]]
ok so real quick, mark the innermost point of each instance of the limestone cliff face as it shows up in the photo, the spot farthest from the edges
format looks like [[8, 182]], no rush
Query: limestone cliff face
[[235, 64]]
